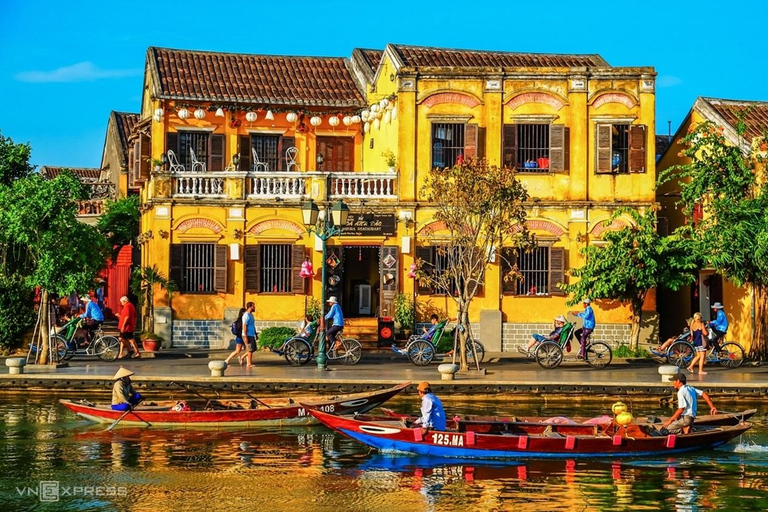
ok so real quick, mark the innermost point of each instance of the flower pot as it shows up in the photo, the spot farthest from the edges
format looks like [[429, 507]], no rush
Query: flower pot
[[150, 345]]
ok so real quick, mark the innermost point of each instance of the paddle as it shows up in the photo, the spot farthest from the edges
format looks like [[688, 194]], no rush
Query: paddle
[[130, 409]]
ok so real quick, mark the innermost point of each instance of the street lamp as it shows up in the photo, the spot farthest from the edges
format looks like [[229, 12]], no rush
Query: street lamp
[[331, 224]]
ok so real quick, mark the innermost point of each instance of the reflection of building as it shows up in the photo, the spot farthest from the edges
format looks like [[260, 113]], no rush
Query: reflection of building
[[710, 287], [233, 144]]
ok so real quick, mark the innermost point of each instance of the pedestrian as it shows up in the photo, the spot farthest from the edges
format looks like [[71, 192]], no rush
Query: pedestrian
[[719, 325], [698, 338], [249, 333], [337, 322], [587, 325], [124, 397], [687, 403], [101, 294], [237, 330], [432, 412], [126, 325]]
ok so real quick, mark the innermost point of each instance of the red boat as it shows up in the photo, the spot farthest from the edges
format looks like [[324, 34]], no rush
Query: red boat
[[234, 413], [530, 440]]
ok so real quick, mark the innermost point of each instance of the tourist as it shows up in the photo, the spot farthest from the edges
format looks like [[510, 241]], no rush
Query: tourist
[[719, 325], [429, 334], [687, 403], [93, 316], [661, 350], [432, 412], [536, 339], [126, 326], [124, 397], [310, 326], [337, 322], [587, 326], [237, 330], [698, 338], [249, 333]]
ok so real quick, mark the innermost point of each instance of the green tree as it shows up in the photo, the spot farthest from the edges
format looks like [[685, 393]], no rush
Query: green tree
[[633, 261], [14, 161], [143, 283], [120, 221]]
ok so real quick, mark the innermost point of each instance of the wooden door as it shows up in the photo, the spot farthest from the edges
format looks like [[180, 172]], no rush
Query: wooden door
[[338, 154]]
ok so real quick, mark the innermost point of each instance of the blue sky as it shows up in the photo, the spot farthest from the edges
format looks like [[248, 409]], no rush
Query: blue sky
[[65, 66]]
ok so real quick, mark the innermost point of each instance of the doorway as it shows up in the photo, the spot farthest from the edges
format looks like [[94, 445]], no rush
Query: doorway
[[360, 281]]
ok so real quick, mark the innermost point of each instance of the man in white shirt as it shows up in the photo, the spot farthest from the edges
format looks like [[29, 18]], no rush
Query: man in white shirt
[[687, 403], [432, 412]]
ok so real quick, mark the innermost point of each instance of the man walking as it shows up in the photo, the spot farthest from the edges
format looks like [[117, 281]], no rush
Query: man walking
[[249, 333], [687, 403], [127, 325]]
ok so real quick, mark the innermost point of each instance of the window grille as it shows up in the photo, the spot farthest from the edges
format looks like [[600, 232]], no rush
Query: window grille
[[196, 141], [532, 148], [266, 147], [199, 268], [447, 144], [275, 268], [534, 269], [620, 146], [442, 266]]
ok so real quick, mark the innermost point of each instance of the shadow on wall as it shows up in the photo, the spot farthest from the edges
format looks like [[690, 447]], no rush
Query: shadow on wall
[[200, 307], [424, 310], [649, 328]]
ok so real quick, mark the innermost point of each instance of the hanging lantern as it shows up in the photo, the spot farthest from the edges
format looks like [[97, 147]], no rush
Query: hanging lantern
[[291, 117], [375, 107], [183, 113], [347, 120], [270, 116], [366, 127], [333, 121], [376, 123], [306, 269], [159, 112], [356, 120], [219, 112], [315, 120], [394, 114], [199, 114], [364, 115], [412, 271], [390, 105], [251, 117], [383, 103], [387, 117]]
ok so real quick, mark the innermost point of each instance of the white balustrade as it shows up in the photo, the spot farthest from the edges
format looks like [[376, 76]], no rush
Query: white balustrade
[[286, 185], [364, 185], [199, 185]]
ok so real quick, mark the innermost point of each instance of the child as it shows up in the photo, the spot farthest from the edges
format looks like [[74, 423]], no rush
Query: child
[[428, 334], [309, 328], [538, 338]]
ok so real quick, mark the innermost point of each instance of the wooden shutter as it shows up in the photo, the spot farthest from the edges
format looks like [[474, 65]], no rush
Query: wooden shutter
[[217, 153], [508, 261], [220, 268], [637, 148], [297, 258], [470, 140], [287, 142], [426, 254], [481, 155], [176, 270], [559, 148], [556, 270], [388, 290], [172, 143], [245, 153], [136, 159], [509, 146], [145, 164], [604, 149], [252, 263]]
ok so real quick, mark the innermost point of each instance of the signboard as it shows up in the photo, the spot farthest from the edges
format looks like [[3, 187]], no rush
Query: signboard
[[370, 224]]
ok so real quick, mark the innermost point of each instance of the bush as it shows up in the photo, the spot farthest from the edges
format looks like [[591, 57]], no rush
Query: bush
[[16, 313], [623, 351], [274, 337]]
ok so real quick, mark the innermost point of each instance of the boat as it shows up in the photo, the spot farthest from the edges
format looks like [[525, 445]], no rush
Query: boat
[[234, 413], [530, 440]]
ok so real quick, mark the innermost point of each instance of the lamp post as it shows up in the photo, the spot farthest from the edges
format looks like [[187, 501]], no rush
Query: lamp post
[[331, 224]]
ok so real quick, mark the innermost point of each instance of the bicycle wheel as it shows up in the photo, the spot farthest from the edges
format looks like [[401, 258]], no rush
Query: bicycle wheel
[[598, 355], [61, 347], [421, 352], [479, 349], [297, 351], [680, 354], [731, 355], [353, 351], [107, 348], [549, 355]]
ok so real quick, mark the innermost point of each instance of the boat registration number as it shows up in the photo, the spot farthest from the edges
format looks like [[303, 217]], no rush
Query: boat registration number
[[448, 439], [324, 408]]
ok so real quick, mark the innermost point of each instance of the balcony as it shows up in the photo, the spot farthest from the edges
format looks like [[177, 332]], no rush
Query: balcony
[[88, 210]]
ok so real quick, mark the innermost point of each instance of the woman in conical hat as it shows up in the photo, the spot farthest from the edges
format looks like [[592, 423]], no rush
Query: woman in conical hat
[[124, 397]]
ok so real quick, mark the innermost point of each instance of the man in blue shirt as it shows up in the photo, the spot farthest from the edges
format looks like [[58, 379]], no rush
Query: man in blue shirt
[[432, 412], [337, 321], [93, 316], [587, 326], [719, 325], [249, 333]]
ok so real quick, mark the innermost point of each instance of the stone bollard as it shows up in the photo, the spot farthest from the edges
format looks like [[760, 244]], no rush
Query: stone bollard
[[15, 365], [448, 370], [217, 368], [667, 371]]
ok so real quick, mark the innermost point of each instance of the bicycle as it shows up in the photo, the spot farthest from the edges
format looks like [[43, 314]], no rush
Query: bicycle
[[730, 354], [106, 347], [549, 354], [298, 351], [421, 351]]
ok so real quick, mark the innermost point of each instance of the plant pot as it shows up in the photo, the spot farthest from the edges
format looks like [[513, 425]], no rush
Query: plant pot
[[150, 345]]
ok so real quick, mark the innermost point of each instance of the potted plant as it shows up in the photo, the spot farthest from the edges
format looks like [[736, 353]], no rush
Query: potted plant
[[143, 283], [405, 313], [390, 159], [157, 164], [150, 341]]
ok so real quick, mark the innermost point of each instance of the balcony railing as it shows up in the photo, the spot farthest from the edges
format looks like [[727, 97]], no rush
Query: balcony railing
[[199, 184], [287, 185], [364, 185]]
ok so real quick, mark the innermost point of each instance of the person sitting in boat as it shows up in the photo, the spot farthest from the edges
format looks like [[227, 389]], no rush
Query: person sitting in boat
[[124, 397], [687, 403], [537, 339], [432, 412]]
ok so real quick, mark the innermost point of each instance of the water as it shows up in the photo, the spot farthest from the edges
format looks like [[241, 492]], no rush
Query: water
[[311, 468]]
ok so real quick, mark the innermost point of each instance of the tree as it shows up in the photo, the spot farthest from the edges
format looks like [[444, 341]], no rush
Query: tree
[[143, 282], [120, 221], [726, 183], [634, 260], [14, 161], [481, 207]]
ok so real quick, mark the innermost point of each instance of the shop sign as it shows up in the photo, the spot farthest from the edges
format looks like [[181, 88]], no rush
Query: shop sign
[[370, 224]]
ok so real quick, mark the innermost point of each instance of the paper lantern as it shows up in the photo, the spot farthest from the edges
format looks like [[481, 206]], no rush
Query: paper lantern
[[375, 107], [159, 112], [306, 269], [412, 271], [199, 114], [366, 127], [315, 120], [270, 116], [251, 117], [347, 120], [364, 115], [618, 408], [219, 112], [376, 123], [377, 115], [624, 419], [394, 114], [157, 118], [383, 103], [356, 120], [291, 117], [387, 117], [333, 121], [183, 113]]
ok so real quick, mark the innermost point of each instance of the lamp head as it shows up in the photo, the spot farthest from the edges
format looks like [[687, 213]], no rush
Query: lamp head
[[339, 213], [309, 213]]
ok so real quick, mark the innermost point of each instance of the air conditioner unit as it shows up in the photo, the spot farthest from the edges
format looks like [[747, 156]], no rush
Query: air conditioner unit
[[363, 293]]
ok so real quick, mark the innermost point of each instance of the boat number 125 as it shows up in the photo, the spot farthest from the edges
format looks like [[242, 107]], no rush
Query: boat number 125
[[448, 439]]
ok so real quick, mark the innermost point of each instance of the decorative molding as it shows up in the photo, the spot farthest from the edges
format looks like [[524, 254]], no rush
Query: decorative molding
[[432, 227], [283, 224], [450, 97], [199, 223], [614, 97], [407, 84], [600, 228], [546, 225], [493, 85], [536, 97]]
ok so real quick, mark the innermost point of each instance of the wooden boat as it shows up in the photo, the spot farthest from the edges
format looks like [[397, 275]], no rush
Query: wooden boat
[[234, 413], [530, 440]]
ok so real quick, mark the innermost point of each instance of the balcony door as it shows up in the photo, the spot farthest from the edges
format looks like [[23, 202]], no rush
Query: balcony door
[[338, 154]]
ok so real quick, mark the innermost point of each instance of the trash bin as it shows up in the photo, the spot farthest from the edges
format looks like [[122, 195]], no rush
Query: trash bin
[[386, 331]]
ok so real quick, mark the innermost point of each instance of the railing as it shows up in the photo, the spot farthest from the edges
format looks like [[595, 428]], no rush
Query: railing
[[364, 185], [90, 207], [199, 184], [287, 185]]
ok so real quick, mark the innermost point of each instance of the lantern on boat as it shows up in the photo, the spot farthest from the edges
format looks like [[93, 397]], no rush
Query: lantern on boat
[[183, 113], [251, 117], [618, 408], [624, 418]]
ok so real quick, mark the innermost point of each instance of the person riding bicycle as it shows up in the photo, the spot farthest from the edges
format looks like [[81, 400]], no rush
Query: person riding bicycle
[[537, 339], [719, 325], [93, 316], [587, 326], [337, 321]]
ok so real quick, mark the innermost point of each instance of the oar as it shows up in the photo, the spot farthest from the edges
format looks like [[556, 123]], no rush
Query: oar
[[130, 409]]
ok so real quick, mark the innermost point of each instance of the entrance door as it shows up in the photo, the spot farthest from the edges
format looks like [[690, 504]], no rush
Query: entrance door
[[338, 154], [361, 283]]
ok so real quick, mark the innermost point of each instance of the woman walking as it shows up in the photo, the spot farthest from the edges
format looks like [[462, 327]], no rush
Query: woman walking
[[698, 337], [237, 330]]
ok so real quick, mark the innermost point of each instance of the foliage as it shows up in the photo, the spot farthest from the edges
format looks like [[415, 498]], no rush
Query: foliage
[[274, 337], [16, 314], [313, 308], [120, 221], [14, 161], [481, 207], [634, 260], [389, 157], [626, 352], [143, 283], [151, 336], [404, 311], [445, 343]]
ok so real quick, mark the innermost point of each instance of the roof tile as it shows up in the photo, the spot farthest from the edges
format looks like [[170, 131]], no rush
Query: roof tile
[[85, 174], [755, 114], [422, 56]]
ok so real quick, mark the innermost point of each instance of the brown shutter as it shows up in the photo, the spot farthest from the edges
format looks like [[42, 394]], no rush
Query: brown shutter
[[136, 159], [287, 143], [470, 140], [172, 143], [637, 148], [216, 160], [176, 270], [604, 149], [556, 270], [145, 165], [220, 268], [426, 254], [509, 146], [297, 258], [508, 261], [559, 145], [245, 153], [252, 268], [481, 143]]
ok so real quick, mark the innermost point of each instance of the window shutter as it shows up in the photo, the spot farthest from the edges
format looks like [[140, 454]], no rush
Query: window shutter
[[252, 268], [637, 148], [146, 153], [559, 148], [216, 160], [481, 155], [509, 146], [176, 271], [556, 270], [604, 149], [426, 254], [509, 260], [288, 142], [245, 153], [136, 159], [470, 141], [172, 143], [220, 268], [297, 258]]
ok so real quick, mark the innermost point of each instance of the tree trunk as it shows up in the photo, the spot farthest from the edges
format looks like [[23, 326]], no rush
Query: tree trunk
[[463, 327], [758, 349], [149, 325], [45, 329], [637, 317]]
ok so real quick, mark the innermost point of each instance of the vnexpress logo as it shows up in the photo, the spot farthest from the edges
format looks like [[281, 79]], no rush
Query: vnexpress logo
[[49, 490]]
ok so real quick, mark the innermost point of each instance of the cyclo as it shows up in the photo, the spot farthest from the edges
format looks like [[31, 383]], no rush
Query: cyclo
[[421, 351], [298, 350], [68, 344], [729, 354], [550, 354]]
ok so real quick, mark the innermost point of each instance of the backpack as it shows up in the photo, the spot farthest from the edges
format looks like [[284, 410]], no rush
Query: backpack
[[236, 328]]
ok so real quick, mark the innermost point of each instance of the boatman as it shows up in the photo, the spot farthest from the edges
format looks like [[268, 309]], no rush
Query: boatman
[[432, 413], [687, 403], [124, 397]]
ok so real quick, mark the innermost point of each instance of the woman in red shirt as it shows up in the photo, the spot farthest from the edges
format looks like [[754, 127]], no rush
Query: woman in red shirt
[[126, 326]]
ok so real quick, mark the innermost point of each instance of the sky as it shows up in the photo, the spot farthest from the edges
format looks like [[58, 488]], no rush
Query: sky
[[65, 65]]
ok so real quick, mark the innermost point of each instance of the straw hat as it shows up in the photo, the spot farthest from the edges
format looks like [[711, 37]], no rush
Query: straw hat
[[560, 318], [424, 386], [717, 305], [389, 278], [332, 300], [122, 372], [586, 300]]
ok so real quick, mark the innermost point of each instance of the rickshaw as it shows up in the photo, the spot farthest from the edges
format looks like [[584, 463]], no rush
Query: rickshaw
[[421, 350], [549, 354], [298, 350]]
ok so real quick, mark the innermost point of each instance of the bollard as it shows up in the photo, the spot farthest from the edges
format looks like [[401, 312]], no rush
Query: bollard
[[217, 368], [667, 371], [447, 371], [15, 365]]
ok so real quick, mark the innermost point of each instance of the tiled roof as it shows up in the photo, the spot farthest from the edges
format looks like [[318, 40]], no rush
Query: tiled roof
[[260, 79], [372, 57], [755, 114], [83, 173], [125, 123], [422, 56]]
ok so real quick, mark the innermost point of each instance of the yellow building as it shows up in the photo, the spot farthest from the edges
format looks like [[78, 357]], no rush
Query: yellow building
[[710, 287], [239, 142]]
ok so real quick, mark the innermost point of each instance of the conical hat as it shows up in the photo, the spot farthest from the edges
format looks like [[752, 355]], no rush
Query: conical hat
[[122, 372]]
